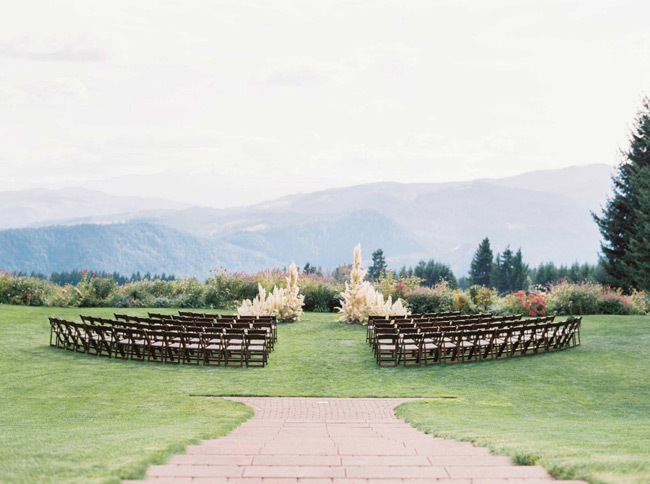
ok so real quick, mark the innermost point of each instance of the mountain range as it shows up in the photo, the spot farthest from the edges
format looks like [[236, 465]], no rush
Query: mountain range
[[546, 213]]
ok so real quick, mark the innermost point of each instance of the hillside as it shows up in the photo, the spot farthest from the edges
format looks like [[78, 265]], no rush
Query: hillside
[[546, 213], [125, 248], [47, 206]]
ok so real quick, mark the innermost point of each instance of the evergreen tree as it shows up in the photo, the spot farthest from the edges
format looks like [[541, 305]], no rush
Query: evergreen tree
[[640, 241], [481, 268], [545, 273], [509, 273], [378, 266], [519, 273], [433, 272], [624, 251]]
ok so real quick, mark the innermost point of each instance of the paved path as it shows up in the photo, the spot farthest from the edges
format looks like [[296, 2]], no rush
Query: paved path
[[337, 440]]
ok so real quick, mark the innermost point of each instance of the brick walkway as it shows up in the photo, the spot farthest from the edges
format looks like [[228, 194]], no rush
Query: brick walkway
[[337, 440]]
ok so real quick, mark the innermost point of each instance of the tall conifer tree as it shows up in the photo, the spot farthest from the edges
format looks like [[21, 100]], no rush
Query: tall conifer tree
[[481, 268], [378, 266], [624, 251]]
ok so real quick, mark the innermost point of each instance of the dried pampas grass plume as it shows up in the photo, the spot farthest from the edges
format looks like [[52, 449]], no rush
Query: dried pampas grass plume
[[360, 300]]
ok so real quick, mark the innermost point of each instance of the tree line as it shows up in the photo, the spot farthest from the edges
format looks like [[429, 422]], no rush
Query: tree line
[[74, 277]]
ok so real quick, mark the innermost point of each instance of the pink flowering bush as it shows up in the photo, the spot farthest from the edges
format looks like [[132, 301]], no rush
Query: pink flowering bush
[[529, 304]]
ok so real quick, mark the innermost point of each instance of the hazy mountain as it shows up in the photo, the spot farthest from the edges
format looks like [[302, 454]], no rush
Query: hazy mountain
[[546, 213], [48, 206], [124, 248]]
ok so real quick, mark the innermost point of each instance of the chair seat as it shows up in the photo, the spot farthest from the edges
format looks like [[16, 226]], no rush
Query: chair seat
[[387, 347]]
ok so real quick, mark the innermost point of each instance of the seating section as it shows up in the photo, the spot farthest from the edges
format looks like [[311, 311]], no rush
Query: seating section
[[184, 338], [453, 338]]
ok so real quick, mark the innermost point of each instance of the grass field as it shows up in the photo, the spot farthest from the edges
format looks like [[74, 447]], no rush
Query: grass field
[[64, 417]]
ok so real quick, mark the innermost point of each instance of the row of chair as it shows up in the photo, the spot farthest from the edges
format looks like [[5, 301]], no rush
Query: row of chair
[[414, 345], [158, 340], [434, 320]]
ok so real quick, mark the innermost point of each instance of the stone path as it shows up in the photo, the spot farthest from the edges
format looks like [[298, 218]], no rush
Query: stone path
[[337, 440]]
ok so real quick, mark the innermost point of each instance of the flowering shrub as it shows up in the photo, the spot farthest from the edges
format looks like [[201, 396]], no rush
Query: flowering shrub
[[360, 300], [462, 302], [431, 299], [396, 287], [566, 298], [483, 298], [532, 304], [284, 303], [27, 291], [224, 290]]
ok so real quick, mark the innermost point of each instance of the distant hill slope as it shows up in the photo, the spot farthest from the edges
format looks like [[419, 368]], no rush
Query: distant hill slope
[[47, 206], [546, 213], [125, 248]]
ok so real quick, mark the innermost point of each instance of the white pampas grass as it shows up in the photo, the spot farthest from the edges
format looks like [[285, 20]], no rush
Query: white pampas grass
[[360, 300], [284, 303]]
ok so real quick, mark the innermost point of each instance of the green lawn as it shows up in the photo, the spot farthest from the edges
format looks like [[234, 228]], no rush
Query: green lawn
[[64, 417]]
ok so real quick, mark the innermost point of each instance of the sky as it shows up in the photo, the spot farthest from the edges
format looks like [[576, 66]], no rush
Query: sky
[[227, 103]]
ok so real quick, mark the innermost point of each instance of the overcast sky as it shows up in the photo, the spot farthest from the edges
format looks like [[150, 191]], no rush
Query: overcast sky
[[233, 102]]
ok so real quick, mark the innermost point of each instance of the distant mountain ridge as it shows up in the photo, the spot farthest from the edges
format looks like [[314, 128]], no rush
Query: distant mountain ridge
[[546, 213]]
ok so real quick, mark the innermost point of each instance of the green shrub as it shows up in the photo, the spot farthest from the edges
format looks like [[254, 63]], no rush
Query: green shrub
[[26, 291], [225, 289], [320, 297], [566, 298], [189, 293], [431, 300]]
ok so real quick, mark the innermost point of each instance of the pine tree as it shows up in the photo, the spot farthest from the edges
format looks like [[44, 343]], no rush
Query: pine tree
[[481, 268], [509, 273], [433, 272], [378, 266], [624, 253], [639, 264], [519, 273]]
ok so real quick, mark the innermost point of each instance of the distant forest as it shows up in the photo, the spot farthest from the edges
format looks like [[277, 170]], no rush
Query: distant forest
[[74, 277]]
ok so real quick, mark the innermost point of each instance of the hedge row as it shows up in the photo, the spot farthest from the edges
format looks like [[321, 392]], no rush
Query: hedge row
[[225, 290]]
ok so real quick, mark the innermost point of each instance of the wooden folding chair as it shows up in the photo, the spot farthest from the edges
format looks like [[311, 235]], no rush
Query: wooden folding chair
[[234, 348], [387, 349], [212, 341], [156, 345], [382, 334], [121, 342], [78, 337], [193, 347], [99, 340], [174, 347], [380, 327], [450, 347], [256, 348], [469, 345], [411, 349], [501, 343], [56, 333], [267, 326], [431, 343]]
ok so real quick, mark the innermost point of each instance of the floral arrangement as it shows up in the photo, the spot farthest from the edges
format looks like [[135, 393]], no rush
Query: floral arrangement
[[360, 300], [285, 303]]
